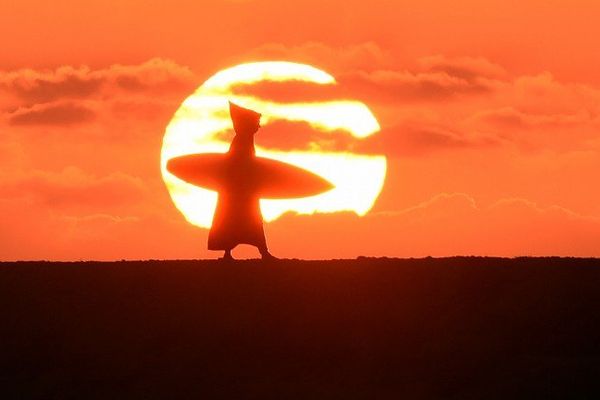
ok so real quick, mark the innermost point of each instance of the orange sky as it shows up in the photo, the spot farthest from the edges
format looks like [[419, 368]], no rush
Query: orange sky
[[490, 115]]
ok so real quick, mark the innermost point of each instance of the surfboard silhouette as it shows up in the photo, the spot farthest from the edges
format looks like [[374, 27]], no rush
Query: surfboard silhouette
[[265, 177]]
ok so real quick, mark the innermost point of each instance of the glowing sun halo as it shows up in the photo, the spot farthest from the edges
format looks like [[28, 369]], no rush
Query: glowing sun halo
[[196, 126]]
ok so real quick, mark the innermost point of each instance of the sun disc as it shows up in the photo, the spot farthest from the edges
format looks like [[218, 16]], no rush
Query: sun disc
[[196, 126]]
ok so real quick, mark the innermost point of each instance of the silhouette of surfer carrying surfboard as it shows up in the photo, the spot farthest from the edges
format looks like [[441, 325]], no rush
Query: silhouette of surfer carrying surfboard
[[241, 180]]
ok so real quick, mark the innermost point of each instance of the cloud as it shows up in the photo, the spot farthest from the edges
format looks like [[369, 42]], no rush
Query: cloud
[[284, 135], [400, 85], [500, 228], [61, 113], [412, 138], [543, 94], [467, 94], [468, 68], [68, 82], [380, 86], [474, 102], [67, 96], [368, 72], [155, 75], [73, 189], [42, 86], [415, 139], [444, 225], [510, 117], [30, 232]]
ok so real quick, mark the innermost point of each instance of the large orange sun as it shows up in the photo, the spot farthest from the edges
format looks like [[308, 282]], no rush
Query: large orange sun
[[197, 124]]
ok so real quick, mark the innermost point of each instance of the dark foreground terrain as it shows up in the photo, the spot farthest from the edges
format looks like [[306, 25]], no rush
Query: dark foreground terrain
[[458, 328]]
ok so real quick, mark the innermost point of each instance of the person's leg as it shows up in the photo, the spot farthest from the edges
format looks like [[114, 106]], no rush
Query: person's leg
[[227, 255], [264, 252]]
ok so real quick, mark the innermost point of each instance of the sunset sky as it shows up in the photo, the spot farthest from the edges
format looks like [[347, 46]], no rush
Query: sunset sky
[[489, 114]]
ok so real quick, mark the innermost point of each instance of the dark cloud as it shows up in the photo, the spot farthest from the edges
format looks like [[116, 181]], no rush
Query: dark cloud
[[417, 139], [509, 117], [394, 85], [66, 82], [66, 96], [468, 68], [156, 75], [52, 114], [285, 135], [39, 86]]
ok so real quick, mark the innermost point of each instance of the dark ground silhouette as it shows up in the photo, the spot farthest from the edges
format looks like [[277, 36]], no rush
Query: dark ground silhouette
[[456, 328]]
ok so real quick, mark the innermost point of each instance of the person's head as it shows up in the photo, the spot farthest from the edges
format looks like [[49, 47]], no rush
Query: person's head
[[245, 121]]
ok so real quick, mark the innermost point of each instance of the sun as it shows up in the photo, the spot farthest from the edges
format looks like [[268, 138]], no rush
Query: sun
[[196, 125]]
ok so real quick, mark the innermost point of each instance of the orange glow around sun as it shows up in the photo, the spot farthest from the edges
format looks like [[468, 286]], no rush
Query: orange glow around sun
[[196, 126]]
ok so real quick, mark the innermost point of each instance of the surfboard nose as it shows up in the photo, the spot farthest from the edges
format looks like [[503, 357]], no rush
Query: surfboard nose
[[171, 166], [179, 166], [327, 186]]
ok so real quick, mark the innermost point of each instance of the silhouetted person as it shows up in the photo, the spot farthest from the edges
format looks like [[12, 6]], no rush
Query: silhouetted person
[[237, 218]]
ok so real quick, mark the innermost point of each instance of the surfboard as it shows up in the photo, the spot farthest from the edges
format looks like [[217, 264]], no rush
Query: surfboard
[[265, 177]]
